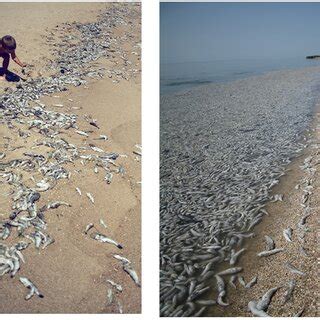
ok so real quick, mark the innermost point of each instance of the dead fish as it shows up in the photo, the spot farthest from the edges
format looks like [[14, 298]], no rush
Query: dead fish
[[221, 290], [48, 242], [33, 289], [94, 124], [57, 204], [120, 308], [270, 245], [251, 283], [232, 280], [206, 302], [103, 223], [294, 269], [289, 291], [269, 253], [97, 149], [79, 191], [287, 233], [132, 273], [2, 155], [117, 286], [109, 297], [230, 271], [88, 227], [102, 238], [122, 259], [89, 195], [264, 302], [241, 281], [234, 257], [277, 197], [102, 137], [82, 133], [42, 186], [252, 307]]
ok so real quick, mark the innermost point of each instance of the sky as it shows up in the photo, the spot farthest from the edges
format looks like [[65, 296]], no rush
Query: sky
[[192, 32]]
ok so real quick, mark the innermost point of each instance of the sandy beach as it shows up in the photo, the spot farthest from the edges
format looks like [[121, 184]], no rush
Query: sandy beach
[[71, 273]]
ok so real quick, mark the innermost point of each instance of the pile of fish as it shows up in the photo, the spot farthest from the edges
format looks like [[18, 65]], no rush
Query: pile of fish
[[35, 172], [223, 148]]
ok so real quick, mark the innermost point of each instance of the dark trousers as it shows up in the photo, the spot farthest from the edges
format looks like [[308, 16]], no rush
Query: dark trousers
[[5, 63]]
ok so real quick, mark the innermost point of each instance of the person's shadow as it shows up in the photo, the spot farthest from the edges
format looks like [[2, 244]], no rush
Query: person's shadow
[[10, 76]]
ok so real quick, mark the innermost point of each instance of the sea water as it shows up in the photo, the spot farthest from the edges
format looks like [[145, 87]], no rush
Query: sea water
[[184, 75]]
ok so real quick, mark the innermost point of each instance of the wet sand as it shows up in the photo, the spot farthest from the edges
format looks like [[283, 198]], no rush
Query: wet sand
[[72, 272]]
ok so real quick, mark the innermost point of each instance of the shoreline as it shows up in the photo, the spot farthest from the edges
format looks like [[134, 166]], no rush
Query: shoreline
[[72, 272], [198, 235], [228, 81]]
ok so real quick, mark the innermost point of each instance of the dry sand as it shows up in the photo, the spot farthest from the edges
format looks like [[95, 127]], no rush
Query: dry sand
[[72, 272], [271, 271]]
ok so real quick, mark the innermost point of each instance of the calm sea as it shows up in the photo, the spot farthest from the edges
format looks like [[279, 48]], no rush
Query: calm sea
[[180, 76]]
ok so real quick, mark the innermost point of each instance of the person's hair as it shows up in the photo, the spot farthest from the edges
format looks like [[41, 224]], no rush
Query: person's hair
[[8, 42]]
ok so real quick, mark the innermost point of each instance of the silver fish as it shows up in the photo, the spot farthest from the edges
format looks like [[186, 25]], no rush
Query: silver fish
[[117, 286], [103, 223], [294, 269], [88, 227], [252, 306], [287, 233], [102, 238], [89, 195], [230, 271], [132, 273], [264, 302], [33, 289], [82, 133], [79, 191], [270, 245], [289, 291], [269, 253]]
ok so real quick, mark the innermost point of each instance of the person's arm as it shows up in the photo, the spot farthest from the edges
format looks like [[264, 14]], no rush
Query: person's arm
[[16, 60]]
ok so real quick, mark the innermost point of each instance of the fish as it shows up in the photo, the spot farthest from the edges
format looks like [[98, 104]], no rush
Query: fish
[[89, 195], [79, 191], [289, 291], [252, 307], [221, 291], [103, 223], [102, 238], [230, 271], [206, 302], [294, 269], [117, 286], [122, 259], [57, 204], [81, 133], [269, 253], [264, 302], [132, 273], [287, 233], [33, 289], [270, 245], [234, 257], [88, 227], [109, 297], [251, 283]]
